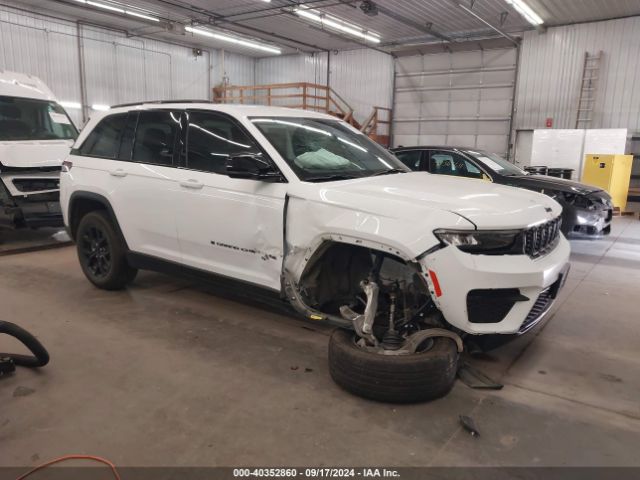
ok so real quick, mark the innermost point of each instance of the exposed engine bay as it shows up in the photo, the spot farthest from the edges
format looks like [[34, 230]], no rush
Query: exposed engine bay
[[384, 298]]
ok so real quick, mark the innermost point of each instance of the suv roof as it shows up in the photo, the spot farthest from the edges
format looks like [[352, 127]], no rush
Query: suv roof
[[243, 110], [231, 109]]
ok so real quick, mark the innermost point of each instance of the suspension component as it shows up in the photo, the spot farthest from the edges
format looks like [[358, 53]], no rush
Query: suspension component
[[392, 340], [363, 324]]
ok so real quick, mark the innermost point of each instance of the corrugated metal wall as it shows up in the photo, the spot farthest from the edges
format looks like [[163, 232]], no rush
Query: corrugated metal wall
[[550, 75], [121, 70], [364, 78], [117, 69], [238, 69], [457, 98], [34, 45], [292, 68]]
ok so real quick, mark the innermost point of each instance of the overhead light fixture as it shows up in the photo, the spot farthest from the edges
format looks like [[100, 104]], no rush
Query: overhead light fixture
[[73, 105], [337, 24], [141, 15], [100, 108], [525, 10], [236, 40], [105, 6], [113, 8]]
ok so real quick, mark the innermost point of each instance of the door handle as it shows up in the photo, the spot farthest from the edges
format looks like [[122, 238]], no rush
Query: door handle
[[118, 173], [191, 183]]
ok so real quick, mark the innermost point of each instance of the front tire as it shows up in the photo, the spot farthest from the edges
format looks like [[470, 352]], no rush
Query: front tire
[[393, 378], [102, 252]]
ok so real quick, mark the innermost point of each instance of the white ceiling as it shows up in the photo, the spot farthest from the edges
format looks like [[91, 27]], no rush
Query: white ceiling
[[399, 22]]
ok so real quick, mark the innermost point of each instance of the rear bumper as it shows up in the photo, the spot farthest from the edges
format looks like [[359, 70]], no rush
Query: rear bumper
[[531, 286]]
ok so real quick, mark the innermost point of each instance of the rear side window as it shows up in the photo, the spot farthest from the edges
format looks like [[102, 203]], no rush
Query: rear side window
[[104, 139], [411, 158], [212, 139], [156, 137]]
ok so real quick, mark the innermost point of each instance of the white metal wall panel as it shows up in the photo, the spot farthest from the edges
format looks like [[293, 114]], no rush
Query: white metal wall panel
[[239, 70], [292, 68], [364, 78], [190, 75], [458, 98], [122, 70], [310, 68], [117, 69], [48, 50], [551, 70]]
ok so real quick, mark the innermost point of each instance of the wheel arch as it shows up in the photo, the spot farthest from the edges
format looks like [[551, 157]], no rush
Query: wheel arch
[[299, 263], [82, 202]]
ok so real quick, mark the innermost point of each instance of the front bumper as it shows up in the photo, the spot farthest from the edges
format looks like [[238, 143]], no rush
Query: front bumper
[[32, 211], [534, 284], [581, 222]]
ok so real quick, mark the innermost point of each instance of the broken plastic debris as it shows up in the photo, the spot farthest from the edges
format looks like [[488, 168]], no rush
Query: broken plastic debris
[[469, 425]]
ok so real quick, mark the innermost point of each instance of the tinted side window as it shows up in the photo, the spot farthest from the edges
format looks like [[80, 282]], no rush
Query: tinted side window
[[156, 137], [411, 158], [104, 139], [451, 163], [212, 139]]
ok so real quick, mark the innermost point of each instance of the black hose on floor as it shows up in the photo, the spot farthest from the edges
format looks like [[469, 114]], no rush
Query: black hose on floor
[[41, 356]]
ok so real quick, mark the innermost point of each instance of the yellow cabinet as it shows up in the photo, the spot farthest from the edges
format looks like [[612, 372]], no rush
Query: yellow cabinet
[[611, 173]]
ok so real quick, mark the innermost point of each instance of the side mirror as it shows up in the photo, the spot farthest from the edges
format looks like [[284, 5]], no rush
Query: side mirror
[[251, 166]]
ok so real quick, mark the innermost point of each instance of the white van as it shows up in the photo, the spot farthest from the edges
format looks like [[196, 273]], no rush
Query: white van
[[36, 135]]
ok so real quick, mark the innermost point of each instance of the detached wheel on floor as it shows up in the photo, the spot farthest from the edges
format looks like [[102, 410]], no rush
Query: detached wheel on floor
[[425, 375], [102, 252]]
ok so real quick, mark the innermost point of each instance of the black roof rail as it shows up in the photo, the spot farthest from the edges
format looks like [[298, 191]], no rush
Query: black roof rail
[[159, 102]]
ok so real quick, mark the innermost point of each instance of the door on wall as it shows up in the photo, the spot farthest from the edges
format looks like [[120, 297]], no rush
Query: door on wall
[[524, 145], [458, 98]]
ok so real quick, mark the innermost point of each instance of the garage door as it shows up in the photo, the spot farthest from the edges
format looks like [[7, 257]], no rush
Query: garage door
[[457, 98]]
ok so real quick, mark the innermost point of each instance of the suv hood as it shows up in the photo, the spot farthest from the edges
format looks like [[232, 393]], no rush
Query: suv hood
[[413, 196], [34, 154], [546, 183]]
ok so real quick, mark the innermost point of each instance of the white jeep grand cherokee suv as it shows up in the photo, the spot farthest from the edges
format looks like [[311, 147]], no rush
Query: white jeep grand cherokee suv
[[413, 266]]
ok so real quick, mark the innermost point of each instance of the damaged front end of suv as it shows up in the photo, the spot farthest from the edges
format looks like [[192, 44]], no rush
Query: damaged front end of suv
[[383, 298], [404, 289]]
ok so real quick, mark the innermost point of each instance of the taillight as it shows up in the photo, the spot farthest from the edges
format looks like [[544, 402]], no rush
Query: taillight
[[66, 166]]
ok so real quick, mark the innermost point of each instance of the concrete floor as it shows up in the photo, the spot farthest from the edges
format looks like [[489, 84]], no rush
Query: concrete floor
[[169, 374], [19, 241]]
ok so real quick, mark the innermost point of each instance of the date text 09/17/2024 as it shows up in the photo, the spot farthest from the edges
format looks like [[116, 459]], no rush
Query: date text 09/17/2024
[[316, 473]]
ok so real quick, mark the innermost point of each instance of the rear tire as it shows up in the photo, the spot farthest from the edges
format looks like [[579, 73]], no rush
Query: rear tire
[[102, 252], [393, 378]]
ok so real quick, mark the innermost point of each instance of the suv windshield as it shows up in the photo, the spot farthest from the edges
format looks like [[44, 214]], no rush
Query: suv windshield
[[29, 119], [497, 164], [318, 150]]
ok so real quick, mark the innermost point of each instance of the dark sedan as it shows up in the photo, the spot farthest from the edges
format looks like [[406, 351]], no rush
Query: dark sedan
[[586, 210]]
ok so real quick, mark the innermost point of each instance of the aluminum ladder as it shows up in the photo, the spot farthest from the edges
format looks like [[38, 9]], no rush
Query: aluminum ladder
[[588, 89]]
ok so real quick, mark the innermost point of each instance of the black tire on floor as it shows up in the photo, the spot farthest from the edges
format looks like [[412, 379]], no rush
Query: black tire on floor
[[108, 269], [393, 378]]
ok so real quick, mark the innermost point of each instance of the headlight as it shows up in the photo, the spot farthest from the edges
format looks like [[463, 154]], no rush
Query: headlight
[[488, 242], [580, 201]]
